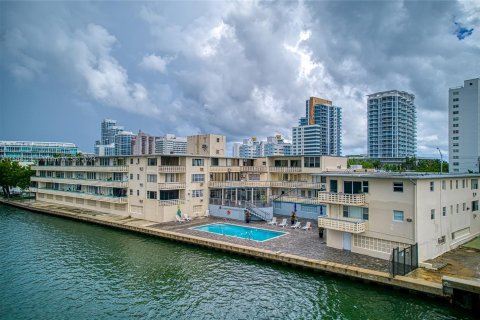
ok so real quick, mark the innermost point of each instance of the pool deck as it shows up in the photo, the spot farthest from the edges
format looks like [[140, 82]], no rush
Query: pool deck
[[299, 248]]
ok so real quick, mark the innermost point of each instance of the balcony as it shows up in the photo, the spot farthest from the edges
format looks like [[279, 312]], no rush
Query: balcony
[[342, 198], [81, 195], [87, 182], [342, 224], [239, 184], [253, 169], [298, 184], [83, 168], [285, 169], [224, 169], [171, 185], [171, 169], [172, 202], [301, 200]]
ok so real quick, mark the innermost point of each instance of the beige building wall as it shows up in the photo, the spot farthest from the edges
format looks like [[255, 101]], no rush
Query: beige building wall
[[212, 145]]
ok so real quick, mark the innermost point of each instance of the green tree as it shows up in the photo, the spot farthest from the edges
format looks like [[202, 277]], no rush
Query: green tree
[[12, 174]]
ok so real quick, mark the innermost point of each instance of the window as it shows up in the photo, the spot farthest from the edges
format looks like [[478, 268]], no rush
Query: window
[[214, 162], [198, 177], [455, 106], [365, 186], [455, 119], [218, 139], [152, 161], [463, 183], [455, 99], [104, 161], [455, 112], [464, 206], [455, 125], [138, 193], [456, 184], [456, 131], [450, 184], [398, 187], [475, 205], [131, 176], [455, 93], [432, 214], [365, 213], [444, 185], [397, 215], [197, 162], [197, 193], [311, 162], [131, 192], [458, 207], [474, 184], [151, 178], [131, 160], [138, 176], [151, 194], [432, 186], [444, 211], [451, 209], [455, 138], [441, 240]]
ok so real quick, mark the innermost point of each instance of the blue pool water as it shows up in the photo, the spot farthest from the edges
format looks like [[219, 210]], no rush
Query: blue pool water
[[233, 230]]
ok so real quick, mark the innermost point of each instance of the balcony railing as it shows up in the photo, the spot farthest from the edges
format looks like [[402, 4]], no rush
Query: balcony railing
[[285, 169], [171, 185], [298, 184], [224, 169], [253, 169], [82, 195], [245, 184], [295, 199], [342, 198], [342, 224], [172, 202], [83, 168], [88, 182], [171, 169]]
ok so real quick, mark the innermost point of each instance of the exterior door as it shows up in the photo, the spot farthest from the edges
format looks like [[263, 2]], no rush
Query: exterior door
[[347, 241]]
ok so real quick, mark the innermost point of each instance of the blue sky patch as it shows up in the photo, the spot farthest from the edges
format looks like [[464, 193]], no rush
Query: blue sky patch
[[461, 32]]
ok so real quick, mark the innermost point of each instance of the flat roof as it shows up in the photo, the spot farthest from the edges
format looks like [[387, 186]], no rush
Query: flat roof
[[398, 175]]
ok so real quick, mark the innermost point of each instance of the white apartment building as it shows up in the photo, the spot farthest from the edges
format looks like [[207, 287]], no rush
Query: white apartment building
[[170, 144], [368, 213], [464, 127]]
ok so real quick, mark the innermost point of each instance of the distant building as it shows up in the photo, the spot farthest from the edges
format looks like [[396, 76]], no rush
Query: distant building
[[464, 127], [253, 148], [236, 149], [105, 149], [109, 129], [392, 125], [320, 131], [124, 143], [170, 144], [143, 143], [212, 145], [28, 151]]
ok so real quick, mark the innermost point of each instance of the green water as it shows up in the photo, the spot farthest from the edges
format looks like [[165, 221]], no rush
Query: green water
[[53, 268]]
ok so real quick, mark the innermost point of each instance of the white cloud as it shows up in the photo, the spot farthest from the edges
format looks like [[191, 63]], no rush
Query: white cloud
[[155, 63]]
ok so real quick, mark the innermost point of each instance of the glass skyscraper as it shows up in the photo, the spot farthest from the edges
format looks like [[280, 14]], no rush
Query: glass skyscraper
[[392, 125], [320, 131]]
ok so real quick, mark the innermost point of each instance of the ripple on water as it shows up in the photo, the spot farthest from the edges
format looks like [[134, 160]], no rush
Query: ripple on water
[[61, 269]]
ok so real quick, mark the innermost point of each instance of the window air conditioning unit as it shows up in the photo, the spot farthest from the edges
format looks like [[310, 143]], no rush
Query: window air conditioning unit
[[141, 184], [201, 200], [201, 184], [201, 169], [141, 201], [141, 169]]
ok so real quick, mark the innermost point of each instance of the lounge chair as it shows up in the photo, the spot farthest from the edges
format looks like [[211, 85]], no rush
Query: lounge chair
[[179, 219], [283, 224], [273, 221], [307, 226], [296, 225], [186, 217]]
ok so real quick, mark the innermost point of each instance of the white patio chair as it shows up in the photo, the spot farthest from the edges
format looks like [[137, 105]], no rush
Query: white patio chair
[[297, 225], [283, 224], [273, 221], [307, 226]]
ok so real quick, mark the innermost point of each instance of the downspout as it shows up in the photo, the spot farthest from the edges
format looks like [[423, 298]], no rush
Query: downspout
[[415, 229]]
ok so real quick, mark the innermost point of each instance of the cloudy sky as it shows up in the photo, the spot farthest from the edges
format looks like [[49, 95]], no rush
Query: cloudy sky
[[236, 68]]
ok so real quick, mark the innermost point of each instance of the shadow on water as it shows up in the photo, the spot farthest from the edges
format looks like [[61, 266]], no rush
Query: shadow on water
[[60, 268]]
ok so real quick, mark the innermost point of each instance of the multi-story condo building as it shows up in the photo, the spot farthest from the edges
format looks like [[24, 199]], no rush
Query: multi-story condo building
[[213, 145], [143, 143], [170, 144], [464, 127], [106, 145], [124, 143], [28, 151], [253, 148], [392, 125], [320, 131], [363, 212]]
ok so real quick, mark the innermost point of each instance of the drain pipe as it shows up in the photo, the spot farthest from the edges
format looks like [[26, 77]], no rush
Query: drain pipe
[[415, 227]]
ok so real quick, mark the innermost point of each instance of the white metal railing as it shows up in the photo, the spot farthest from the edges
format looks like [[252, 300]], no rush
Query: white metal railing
[[342, 224], [247, 184], [171, 169], [253, 169], [83, 195], [294, 199], [342, 198], [298, 184], [172, 202], [82, 168], [224, 168], [89, 182], [284, 169], [171, 185]]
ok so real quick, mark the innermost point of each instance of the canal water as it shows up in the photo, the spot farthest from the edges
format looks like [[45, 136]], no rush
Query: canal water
[[54, 268]]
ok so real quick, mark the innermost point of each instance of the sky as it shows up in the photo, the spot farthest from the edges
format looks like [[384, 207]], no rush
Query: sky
[[241, 69]]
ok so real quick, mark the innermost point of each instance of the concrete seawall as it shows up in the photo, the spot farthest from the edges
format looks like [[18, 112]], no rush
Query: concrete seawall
[[418, 285]]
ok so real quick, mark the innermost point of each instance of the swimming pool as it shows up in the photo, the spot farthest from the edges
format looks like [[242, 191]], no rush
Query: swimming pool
[[233, 230]]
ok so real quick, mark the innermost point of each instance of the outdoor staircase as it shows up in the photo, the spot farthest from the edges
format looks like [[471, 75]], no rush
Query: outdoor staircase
[[257, 212]]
